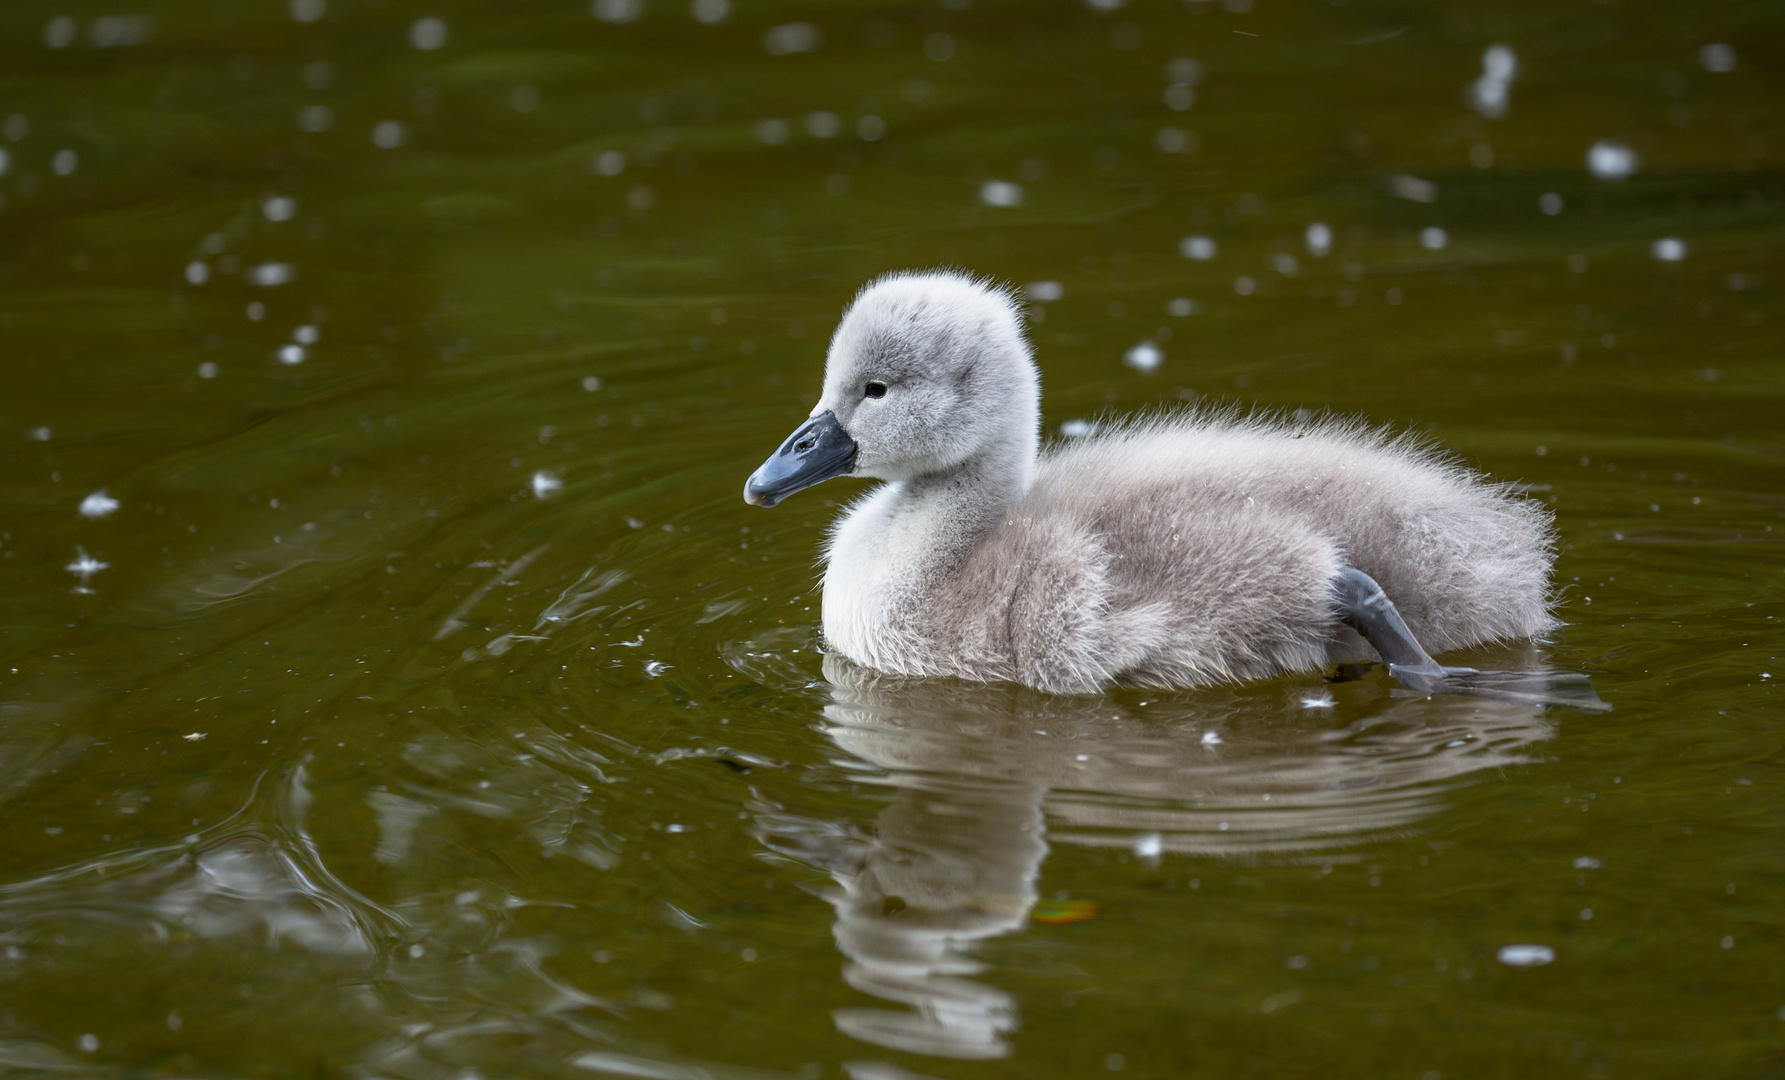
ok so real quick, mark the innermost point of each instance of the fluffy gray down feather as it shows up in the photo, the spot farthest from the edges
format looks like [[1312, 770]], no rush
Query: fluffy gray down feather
[[1178, 549], [1195, 549]]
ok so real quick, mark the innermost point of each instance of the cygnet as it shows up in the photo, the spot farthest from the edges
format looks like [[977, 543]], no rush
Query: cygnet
[[1178, 549]]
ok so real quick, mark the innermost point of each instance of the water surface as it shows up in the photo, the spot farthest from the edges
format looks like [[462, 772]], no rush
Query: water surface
[[419, 699]]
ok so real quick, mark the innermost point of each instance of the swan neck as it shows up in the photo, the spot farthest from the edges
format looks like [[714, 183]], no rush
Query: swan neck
[[979, 488]]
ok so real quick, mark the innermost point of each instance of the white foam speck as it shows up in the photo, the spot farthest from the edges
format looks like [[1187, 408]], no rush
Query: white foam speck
[[1144, 358], [1609, 160], [616, 11], [1525, 955], [1000, 193], [427, 34], [1171, 140], [799, 37], [59, 32], [1668, 249], [291, 354], [1148, 845], [389, 134], [1412, 187], [547, 484], [84, 567], [1319, 238], [1491, 93], [98, 505], [1044, 291], [272, 274], [711, 11], [1200, 248]]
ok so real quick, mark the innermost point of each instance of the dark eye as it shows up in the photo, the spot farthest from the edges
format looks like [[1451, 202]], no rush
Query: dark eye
[[876, 390]]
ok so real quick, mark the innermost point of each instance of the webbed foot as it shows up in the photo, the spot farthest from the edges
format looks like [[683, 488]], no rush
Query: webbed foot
[[1428, 680], [1364, 607], [1561, 689]]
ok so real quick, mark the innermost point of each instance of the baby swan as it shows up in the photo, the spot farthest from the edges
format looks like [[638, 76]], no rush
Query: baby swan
[[1176, 550]]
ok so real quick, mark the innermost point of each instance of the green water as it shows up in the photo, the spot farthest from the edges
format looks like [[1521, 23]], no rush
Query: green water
[[441, 711]]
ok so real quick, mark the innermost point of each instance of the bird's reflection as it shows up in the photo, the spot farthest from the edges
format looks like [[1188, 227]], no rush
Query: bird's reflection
[[983, 777]]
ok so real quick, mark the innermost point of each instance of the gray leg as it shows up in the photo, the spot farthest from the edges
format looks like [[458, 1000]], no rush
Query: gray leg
[[1367, 609], [1364, 607]]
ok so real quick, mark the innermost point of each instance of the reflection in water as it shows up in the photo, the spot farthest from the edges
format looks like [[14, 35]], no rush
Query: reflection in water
[[952, 861], [979, 772]]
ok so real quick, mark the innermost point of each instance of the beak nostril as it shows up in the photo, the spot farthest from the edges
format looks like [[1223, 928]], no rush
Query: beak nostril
[[816, 451]]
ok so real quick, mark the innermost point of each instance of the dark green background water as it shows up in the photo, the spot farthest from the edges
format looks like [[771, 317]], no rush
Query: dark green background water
[[441, 711]]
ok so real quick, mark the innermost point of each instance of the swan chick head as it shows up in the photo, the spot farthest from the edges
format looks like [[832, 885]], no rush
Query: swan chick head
[[929, 371]]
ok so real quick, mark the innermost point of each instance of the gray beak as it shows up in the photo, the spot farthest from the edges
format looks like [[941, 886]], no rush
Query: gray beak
[[819, 450]]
